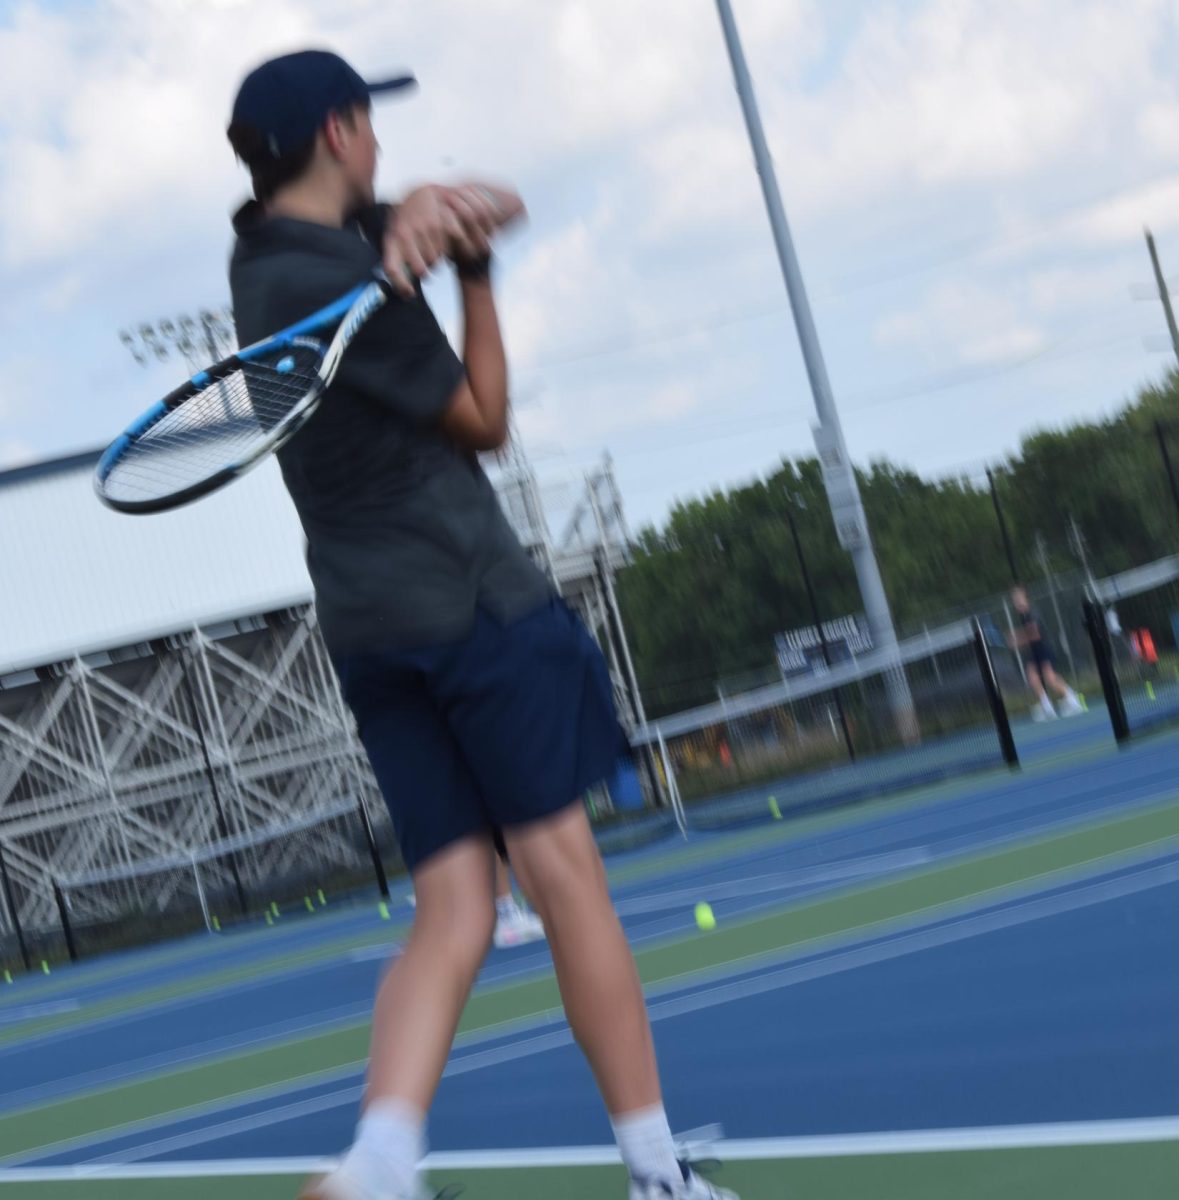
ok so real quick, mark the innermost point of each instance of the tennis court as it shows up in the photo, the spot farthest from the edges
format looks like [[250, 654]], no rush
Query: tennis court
[[967, 990]]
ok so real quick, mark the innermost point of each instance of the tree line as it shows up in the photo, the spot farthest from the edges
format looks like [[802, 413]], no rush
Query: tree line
[[708, 590]]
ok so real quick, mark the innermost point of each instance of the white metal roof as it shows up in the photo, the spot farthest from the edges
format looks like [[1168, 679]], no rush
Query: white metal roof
[[76, 577]]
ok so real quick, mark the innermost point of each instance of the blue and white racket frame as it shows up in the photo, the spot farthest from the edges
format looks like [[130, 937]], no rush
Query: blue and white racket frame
[[351, 310]]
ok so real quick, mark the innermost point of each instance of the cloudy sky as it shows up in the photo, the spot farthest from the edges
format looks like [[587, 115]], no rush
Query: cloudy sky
[[967, 180]]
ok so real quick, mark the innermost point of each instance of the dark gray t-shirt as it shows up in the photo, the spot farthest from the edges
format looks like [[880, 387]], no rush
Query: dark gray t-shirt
[[405, 536]]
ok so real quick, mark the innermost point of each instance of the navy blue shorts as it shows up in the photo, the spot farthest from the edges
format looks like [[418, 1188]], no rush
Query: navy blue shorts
[[507, 726], [1039, 655]]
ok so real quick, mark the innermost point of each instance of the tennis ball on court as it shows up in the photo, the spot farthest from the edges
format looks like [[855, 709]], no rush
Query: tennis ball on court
[[705, 917]]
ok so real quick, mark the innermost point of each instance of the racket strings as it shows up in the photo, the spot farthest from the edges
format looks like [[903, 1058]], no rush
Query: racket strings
[[219, 427]]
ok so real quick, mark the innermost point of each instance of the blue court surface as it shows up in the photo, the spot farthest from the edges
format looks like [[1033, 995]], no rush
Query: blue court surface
[[966, 990]]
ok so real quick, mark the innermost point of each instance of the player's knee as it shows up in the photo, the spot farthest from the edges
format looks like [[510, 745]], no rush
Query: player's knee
[[558, 863], [460, 927]]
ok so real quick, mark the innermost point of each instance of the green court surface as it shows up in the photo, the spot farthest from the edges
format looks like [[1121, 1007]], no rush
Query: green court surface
[[1121, 1172], [1009, 845]]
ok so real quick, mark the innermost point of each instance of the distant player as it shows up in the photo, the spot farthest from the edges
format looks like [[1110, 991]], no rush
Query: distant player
[[482, 702], [515, 925], [1039, 662]]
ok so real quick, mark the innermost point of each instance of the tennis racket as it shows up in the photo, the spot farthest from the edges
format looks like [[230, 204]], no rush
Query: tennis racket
[[229, 417]]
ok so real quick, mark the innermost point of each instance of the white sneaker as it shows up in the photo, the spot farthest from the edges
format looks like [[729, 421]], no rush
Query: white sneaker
[[692, 1188], [518, 929], [1070, 706], [1040, 713], [342, 1185]]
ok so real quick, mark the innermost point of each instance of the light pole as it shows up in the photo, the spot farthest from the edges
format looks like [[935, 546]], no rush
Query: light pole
[[199, 339], [847, 508]]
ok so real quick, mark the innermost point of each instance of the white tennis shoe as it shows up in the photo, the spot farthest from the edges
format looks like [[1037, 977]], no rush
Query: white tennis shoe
[[692, 1187]]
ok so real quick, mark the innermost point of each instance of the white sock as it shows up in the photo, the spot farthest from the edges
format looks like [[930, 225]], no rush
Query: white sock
[[1046, 705], [645, 1142], [390, 1142], [506, 907]]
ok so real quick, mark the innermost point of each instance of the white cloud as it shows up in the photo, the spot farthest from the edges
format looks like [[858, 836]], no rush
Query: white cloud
[[967, 324], [898, 129], [1122, 218]]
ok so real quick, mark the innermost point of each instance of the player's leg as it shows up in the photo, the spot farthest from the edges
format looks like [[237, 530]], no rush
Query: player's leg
[[514, 924], [1043, 708], [1054, 682], [447, 845], [422, 997], [558, 862], [551, 733]]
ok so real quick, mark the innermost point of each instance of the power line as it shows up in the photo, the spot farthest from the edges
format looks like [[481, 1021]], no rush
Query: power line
[[610, 346], [759, 421]]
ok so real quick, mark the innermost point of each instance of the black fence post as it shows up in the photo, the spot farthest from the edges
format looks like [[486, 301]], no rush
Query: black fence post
[[1164, 450], [1115, 703], [10, 898], [1001, 518], [373, 848], [990, 680], [67, 926]]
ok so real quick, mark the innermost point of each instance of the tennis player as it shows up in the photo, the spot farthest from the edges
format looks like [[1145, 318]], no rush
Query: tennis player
[[483, 704], [1039, 662]]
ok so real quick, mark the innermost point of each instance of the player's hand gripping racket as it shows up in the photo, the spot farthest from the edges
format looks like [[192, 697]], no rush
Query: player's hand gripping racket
[[227, 418]]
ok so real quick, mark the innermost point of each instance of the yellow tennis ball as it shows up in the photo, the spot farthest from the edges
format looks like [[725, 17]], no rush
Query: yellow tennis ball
[[705, 918]]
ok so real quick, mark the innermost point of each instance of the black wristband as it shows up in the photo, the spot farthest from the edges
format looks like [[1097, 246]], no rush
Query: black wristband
[[474, 270]]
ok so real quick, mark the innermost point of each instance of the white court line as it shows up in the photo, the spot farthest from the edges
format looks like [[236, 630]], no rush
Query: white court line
[[30, 1012], [1138, 1131], [755, 885], [896, 946]]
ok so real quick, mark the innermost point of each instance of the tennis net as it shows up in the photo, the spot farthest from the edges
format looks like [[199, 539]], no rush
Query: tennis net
[[927, 710]]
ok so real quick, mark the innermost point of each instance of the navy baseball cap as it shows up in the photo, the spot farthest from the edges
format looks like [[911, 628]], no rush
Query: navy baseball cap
[[286, 100]]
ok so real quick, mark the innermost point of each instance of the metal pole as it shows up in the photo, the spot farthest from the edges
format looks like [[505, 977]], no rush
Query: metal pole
[[222, 823], [842, 487], [994, 696], [10, 898], [67, 926], [814, 603], [1161, 433], [1003, 531], [1164, 293], [602, 562], [1114, 700], [1046, 566], [1081, 549]]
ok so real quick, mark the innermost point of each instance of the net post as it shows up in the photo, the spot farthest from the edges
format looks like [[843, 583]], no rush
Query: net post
[[204, 902], [994, 696], [1114, 701], [10, 899], [677, 804], [67, 926], [374, 851]]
